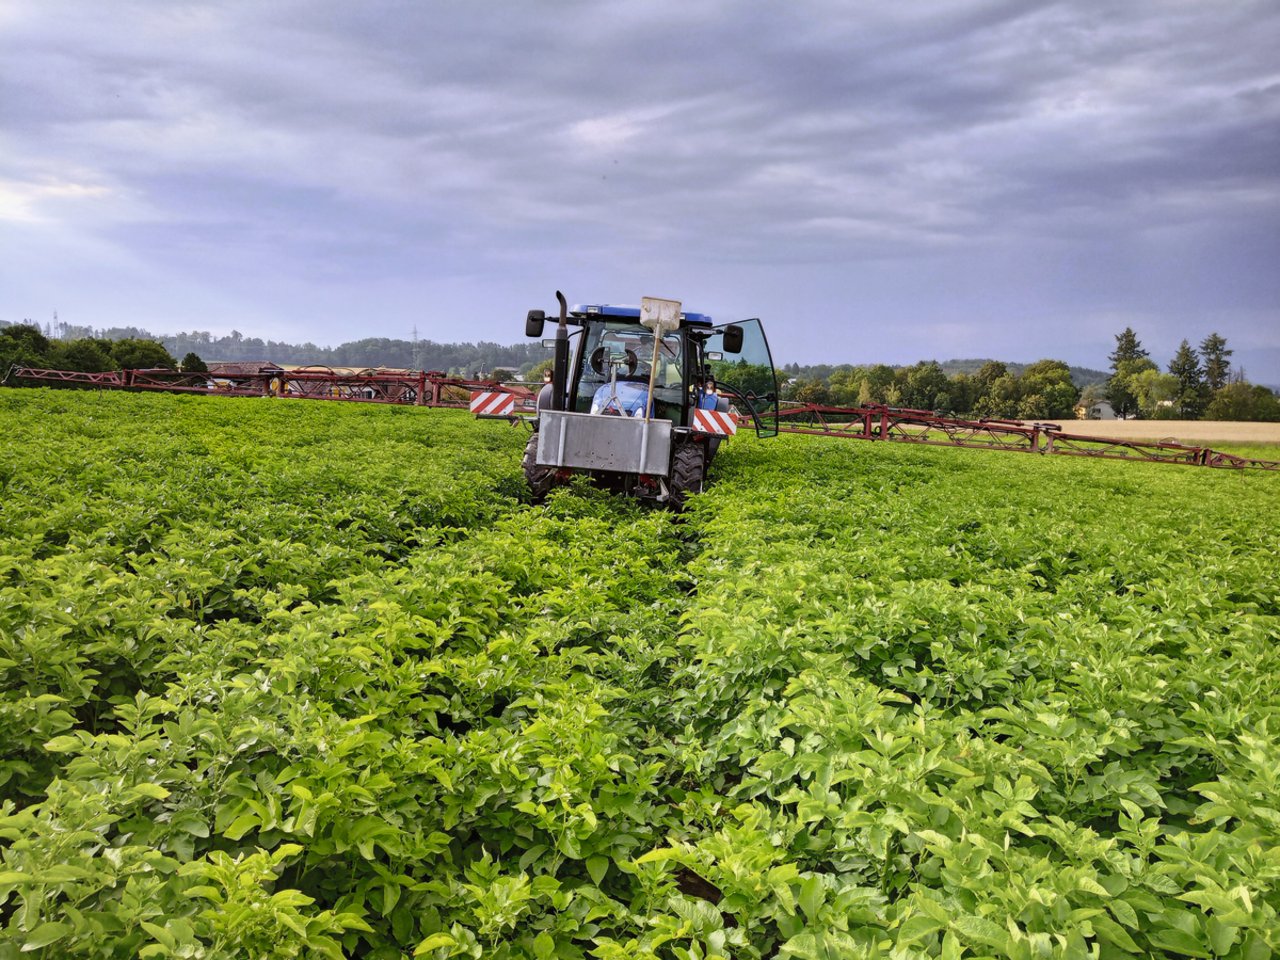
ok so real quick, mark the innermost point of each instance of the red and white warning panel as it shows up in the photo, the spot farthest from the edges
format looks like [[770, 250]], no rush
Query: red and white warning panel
[[715, 421], [492, 403]]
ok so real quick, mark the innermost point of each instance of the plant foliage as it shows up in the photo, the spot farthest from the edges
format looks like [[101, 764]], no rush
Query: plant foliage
[[297, 679]]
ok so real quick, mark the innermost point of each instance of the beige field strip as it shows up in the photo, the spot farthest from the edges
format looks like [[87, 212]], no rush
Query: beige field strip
[[1183, 431]]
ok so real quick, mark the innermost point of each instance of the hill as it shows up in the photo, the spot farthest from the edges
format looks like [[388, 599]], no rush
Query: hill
[[456, 358], [459, 358], [1080, 376]]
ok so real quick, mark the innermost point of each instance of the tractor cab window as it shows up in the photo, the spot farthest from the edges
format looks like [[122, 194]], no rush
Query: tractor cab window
[[623, 352]]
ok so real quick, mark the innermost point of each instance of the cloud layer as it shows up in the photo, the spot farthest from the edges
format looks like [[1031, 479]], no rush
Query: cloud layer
[[934, 179]]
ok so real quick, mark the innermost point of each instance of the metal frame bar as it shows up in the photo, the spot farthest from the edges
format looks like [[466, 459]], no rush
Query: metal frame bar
[[431, 388], [428, 388], [880, 422]]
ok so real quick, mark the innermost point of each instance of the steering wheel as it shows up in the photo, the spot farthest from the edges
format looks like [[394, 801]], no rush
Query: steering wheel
[[601, 359]]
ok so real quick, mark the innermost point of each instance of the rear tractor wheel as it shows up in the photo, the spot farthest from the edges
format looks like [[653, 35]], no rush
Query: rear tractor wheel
[[688, 469], [540, 479]]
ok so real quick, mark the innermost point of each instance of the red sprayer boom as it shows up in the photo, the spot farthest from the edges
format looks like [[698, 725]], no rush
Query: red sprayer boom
[[879, 422], [423, 388], [870, 422]]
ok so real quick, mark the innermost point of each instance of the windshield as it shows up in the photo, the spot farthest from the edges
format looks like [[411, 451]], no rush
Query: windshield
[[625, 351]]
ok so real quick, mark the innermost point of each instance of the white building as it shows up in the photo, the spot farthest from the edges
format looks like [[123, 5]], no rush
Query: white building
[[1101, 410]]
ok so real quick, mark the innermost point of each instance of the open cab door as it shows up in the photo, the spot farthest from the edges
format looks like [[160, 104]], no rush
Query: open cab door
[[746, 373]]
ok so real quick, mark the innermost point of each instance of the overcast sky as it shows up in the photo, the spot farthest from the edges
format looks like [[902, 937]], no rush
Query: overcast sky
[[877, 181]]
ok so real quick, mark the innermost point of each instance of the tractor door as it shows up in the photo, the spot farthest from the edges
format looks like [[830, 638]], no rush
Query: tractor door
[[748, 373]]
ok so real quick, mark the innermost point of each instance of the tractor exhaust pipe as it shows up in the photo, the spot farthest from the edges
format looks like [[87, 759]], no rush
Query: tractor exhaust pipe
[[560, 368]]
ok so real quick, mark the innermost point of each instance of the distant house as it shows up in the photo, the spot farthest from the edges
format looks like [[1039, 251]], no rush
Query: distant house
[[1100, 410], [240, 376], [241, 368]]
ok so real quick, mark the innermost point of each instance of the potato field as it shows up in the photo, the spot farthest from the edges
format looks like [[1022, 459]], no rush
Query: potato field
[[288, 679]]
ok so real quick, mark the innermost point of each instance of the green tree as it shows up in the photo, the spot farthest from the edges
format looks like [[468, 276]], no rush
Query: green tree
[[811, 390], [845, 383], [879, 378], [746, 378], [23, 345], [923, 383], [135, 353], [1051, 370], [1266, 404], [1002, 399], [1217, 361], [192, 363], [1192, 395], [1060, 400], [961, 391], [980, 401], [1049, 380], [990, 372], [1033, 406], [1155, 393], [1241, 400], [86, 355], [1127, 360]]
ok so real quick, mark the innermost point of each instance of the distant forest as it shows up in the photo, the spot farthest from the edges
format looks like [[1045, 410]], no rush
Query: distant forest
[[1199, 383], [1080, 376], [453, 358]]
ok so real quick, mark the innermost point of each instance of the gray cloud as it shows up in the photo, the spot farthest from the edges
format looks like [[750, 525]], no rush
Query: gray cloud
[[906, 181]]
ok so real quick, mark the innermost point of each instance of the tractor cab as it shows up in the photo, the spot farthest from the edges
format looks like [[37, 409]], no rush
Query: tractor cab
[[644, 398], [618, 361], [620, 365]]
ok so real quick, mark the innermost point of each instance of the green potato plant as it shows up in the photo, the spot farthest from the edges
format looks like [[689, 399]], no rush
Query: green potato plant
[[285, 679]]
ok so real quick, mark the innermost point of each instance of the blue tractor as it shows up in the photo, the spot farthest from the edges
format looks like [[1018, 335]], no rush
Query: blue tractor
[[645, 398]]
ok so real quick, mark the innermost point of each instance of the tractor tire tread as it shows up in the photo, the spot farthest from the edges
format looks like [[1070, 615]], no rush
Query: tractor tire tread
[[540, 480], [688, 471]]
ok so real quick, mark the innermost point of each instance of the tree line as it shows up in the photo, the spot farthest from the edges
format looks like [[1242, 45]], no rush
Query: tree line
[[1199, 383], [459, 359], [26, 345], [1043, 390]]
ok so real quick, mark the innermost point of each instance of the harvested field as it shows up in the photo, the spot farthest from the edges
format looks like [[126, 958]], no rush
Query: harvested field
[[1183, 431]]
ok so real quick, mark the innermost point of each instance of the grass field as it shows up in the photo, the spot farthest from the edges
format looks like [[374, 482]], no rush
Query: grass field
[[301, 679]]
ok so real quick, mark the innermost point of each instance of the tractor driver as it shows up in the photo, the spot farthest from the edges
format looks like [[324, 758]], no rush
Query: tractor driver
[[632, 357], [669, 373]]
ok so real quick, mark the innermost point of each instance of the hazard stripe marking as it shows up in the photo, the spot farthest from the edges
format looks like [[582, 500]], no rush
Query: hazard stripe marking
[[715, 421], [492, 403]]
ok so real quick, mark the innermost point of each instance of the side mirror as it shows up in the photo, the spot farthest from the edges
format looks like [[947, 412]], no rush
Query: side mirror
[[732, 339], [533, 323]]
